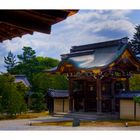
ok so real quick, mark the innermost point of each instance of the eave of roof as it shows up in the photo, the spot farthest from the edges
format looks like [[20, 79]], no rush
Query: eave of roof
[[128, 94], [15, 23], [22, 78], [58, 93]]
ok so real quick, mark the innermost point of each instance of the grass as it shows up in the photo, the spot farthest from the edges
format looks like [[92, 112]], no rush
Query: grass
[[117, 123], [32, 115], [25, 115], [61, 123]]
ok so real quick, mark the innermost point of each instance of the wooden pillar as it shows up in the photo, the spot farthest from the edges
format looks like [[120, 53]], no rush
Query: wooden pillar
[[127, 84], [70, 96], [98, 92], [63, 108], [113, 96], [85, 96], [135, 110]]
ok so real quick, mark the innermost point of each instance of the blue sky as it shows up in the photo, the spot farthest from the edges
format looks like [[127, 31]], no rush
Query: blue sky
[[87, 26]]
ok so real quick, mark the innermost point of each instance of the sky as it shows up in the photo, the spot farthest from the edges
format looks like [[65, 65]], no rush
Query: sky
[[85, 27]]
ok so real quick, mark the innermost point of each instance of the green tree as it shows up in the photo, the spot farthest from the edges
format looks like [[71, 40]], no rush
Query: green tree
[[33, 67], [12, 100], [135, 82], [37, 102], [27, 63], [137, 99], [30, 64], [43, 81], [28, 54], [22, 88], [10, 61], [135, 42]]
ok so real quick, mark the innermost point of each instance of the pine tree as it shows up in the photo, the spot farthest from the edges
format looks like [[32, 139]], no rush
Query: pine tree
[[10, 61], [135, 42], [28, 54]]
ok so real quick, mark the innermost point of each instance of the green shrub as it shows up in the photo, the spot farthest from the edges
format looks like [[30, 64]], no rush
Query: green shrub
[[37, 102]]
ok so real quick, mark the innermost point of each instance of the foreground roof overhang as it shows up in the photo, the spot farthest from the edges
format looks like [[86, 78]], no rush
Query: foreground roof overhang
[[15, 23], [96, 57]]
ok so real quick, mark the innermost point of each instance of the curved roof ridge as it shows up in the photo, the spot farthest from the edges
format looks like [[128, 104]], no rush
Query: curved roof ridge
[[110, 43]]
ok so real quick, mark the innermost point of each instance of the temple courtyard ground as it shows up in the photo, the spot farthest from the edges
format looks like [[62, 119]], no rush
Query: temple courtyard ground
[[29, 124]]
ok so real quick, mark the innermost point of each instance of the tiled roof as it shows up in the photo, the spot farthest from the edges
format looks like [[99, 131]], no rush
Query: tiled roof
[[58, 93], [128, 94], [118, 42], [94, 56], [22, 78]]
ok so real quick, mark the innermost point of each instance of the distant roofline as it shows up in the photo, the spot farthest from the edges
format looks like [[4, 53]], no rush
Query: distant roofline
[[56, 93], [27, 83], [20, 75], [103, 44], [90, 48]]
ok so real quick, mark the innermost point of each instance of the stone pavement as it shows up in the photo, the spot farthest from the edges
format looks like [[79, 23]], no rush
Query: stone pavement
[[23, 124]]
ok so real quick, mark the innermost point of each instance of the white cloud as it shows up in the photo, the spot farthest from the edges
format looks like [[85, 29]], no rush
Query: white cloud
[[120, 14], [120, 25]]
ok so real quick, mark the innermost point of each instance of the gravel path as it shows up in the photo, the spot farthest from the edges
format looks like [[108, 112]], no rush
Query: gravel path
[[23, 124]]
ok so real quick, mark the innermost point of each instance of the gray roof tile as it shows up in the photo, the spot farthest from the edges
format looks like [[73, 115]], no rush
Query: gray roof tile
[[23, 79], [128, 94], [58, 93]]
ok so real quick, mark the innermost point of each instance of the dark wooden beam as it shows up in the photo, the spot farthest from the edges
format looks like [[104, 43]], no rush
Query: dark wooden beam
[[83, 78], [22, 20]]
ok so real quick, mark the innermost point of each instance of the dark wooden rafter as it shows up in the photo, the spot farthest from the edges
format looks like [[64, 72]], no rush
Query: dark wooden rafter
[[51, 16], [9, 34], [8, 31], [25, 21], [3, 36]]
